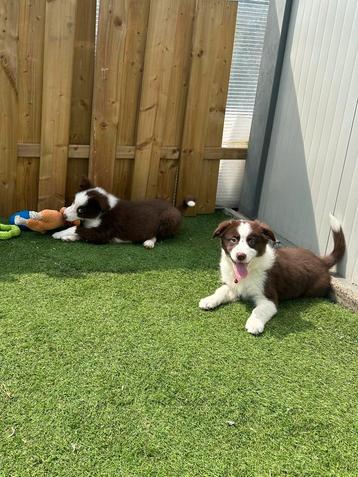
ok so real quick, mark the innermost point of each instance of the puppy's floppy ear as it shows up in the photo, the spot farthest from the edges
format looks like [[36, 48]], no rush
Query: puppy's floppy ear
[[219, 232], [266, 231], [100, 198], [85, 183]]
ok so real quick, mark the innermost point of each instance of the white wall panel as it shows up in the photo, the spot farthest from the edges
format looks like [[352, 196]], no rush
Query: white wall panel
[[311, 154], [347, 205]]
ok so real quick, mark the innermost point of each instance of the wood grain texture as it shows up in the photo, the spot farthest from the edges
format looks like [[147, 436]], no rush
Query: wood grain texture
[[30, 67], [118, 21], [82, 91], [155, 98], [178, 92], [82, 151], [217, 103], [56, 104], [166, 69], [123, 173], [168, 172], [9, 11], [132, 65], [27, 182], [212, 46]]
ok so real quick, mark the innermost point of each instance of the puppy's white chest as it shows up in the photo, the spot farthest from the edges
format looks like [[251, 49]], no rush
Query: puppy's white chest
[[251, 286], [248, 288]]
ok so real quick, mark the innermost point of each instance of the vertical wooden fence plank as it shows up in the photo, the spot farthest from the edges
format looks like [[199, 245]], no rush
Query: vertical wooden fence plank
[[178, 92], [56, 103], [30, 67], [214, 20], [168, 172], [137, 12], [123, 176], [109, 57], [9, 11], [166, 29], [217, 104], [82, 91]]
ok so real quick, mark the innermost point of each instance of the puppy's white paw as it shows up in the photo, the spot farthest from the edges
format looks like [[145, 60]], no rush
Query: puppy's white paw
[[254, 325], [149, 243], [69, 238], [208, 303], [57, 235]]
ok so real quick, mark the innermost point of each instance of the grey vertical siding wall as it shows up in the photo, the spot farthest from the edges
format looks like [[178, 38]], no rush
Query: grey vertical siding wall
[[312, 160], [347, 203]]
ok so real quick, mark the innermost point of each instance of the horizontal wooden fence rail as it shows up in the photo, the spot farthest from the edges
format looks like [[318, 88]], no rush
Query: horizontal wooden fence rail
[[79, 151], [138, 104]]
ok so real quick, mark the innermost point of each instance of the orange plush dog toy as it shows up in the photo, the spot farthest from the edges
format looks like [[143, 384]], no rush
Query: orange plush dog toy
[[44, 220]]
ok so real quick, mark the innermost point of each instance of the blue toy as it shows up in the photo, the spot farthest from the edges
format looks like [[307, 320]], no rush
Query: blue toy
[[25, 214]]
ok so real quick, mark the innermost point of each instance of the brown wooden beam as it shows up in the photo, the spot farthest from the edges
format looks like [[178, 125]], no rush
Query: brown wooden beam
[[78, 151]]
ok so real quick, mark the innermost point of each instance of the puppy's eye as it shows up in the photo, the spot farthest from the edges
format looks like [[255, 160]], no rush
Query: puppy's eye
[[233, 240], [80, 210], [252, 242]]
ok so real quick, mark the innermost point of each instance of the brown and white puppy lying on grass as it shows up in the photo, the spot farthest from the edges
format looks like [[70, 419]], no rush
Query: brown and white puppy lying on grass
[[252, 269], [105, 218]]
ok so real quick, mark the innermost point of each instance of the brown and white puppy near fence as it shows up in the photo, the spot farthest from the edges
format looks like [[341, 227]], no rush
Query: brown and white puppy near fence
[[105, 218], [252, 269]]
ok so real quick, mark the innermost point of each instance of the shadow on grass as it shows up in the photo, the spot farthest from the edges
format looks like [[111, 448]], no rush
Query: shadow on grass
[[192, 249], [290, 318]]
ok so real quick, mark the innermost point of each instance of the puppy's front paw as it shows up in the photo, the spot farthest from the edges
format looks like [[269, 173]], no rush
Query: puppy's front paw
[[149, 243], [254, 325], [69, 238], [57, 235], [208, 303]]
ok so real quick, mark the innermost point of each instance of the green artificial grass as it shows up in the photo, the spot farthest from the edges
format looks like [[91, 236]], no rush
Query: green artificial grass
[[109, 368]]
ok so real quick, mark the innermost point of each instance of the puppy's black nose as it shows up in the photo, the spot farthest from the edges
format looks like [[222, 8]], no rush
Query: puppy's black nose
[[241, 256]]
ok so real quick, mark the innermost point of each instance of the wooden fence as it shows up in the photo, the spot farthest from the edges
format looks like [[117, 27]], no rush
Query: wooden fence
[[139, 107]]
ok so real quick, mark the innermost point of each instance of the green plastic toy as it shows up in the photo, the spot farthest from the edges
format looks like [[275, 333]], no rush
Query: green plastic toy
[[9, 231]]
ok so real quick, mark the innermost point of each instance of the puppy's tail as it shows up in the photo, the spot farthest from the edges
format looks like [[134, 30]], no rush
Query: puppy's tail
[[339, 243], [188, 202]]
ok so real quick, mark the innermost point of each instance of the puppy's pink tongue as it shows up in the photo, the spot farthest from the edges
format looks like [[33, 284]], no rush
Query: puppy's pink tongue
[[240, 271]]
